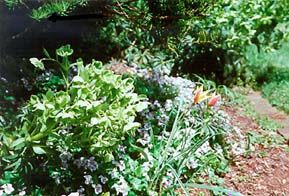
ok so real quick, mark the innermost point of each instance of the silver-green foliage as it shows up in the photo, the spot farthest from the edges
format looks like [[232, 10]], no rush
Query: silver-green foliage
[[93, 115]]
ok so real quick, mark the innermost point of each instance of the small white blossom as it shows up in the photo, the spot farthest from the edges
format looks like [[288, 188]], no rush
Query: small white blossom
[[97, 189], [119, 164], [204, 149], [145, 139], [168, 105], [192, 164], [74, 194], [166, 182], [88, 179], [8, 188], [122, 187], [103, 179], [114, 173], [21, 193]]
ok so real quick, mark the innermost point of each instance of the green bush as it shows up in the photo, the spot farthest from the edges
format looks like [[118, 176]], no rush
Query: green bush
[[91, 118], [195, 36]]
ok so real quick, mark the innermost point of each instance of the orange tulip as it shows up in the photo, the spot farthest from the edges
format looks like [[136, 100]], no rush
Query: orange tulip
[[213, 100], [200, 95], [198, 92]]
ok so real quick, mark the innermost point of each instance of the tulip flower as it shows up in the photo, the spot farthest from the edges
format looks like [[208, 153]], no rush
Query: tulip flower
[[200, 95], [214, 99]]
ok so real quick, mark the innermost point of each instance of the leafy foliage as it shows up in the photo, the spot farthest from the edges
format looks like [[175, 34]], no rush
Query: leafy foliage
[[92, 117], [79, 136], [82, 139], [61, 7], [207, 37]]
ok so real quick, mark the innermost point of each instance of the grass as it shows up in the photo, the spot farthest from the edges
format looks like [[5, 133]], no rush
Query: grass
[[272, 76], [277, 93], [265, 123], [269, 137]]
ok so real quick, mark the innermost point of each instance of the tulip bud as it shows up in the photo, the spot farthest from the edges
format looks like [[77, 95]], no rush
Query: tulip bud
[[213, 100], [197, 94]]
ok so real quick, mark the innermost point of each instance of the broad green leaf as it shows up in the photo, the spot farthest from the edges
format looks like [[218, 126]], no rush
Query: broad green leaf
[[141, 106], [62, 99], [38, 150], [97, 64], [96, 103], [49, 95], [37, 63], [82, 103], [108, 158], [95, 121], [17, 142], [39, 106], [139, 171], [128, 84], [65, 115], [43, 128], [130, 126], [136, 183], [77, 79], [50, 106]]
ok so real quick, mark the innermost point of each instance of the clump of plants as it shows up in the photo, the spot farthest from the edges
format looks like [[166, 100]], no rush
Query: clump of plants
[[97, 136], [78, 126]]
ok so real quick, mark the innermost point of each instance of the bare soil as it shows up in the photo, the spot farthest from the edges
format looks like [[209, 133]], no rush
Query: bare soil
[[265, 172]]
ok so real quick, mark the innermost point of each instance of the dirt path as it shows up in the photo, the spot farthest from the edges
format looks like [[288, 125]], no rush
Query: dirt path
[[265, 171], [263, 107]]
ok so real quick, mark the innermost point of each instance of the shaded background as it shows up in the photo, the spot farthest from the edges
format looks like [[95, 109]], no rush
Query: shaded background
[[22, 37]]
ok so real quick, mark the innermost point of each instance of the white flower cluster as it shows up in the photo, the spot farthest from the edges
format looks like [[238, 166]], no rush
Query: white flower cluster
[[184, 86], [8, 189], [121, 187]]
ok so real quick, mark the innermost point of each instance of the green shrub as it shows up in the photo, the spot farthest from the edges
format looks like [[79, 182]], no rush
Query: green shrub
[[197, 36], [91, 118]]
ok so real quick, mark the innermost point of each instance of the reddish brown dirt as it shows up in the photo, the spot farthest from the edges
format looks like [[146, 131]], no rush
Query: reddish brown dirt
[[265, 172]]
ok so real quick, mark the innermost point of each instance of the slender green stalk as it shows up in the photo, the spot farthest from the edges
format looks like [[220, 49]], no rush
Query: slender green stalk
[[163, 159], [179, 180], [208, 187]]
